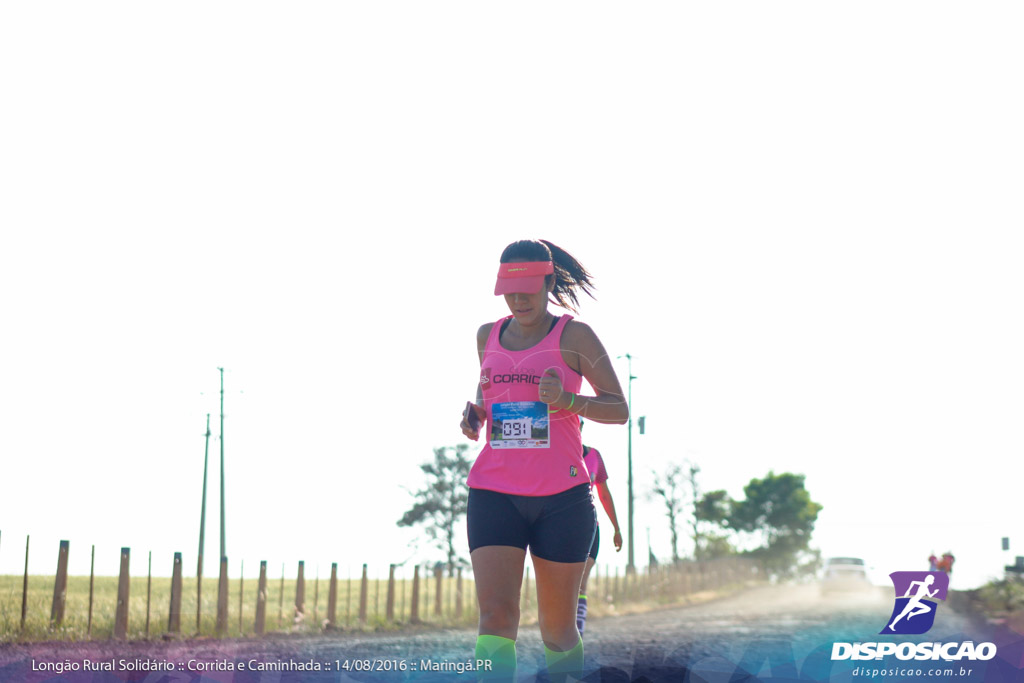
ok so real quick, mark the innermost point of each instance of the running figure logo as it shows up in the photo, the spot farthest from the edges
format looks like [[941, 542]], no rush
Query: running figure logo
[[914, 612]]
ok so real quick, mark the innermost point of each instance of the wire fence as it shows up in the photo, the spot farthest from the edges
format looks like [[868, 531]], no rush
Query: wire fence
[[126, 607]]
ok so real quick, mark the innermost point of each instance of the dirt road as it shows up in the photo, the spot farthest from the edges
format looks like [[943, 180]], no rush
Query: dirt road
[[768, 633]]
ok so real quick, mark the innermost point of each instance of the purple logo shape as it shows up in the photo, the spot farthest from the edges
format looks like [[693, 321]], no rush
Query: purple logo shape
[[915, 604]]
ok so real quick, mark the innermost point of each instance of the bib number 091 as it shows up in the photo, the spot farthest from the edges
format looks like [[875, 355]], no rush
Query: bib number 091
[[515, 429]]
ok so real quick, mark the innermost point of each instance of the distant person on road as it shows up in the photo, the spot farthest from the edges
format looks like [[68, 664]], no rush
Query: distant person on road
[[933, 562], [598, 480], [528, 488], [914, 605]]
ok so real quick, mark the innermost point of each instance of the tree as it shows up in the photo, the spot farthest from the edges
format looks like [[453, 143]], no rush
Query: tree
[[690, 477], [668, 486], [443, 501], [780, 509], [712, 509]]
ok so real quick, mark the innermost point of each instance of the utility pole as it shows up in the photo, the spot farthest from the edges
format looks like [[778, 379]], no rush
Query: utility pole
[[202, 530], [630, 566], [223, 546]]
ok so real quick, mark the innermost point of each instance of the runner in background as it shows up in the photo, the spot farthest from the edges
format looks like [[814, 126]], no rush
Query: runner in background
[[946, 563], [598, 479], [528, 488]]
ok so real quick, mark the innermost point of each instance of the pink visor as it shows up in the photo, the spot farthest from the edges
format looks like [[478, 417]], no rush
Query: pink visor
[[525, 278]]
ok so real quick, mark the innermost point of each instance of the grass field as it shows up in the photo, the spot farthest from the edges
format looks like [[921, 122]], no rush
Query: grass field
[[280, 606]]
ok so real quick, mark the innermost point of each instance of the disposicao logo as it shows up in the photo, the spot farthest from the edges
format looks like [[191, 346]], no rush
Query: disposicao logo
[[913, 614], [916, 595]]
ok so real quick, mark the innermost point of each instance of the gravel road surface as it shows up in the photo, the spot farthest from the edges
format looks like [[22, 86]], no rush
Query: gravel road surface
[[769, 633]]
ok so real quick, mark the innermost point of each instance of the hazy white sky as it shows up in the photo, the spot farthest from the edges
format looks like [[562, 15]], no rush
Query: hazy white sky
[[804, 221]]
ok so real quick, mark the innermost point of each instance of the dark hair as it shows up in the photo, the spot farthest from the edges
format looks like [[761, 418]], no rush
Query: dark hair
[[569, 274]]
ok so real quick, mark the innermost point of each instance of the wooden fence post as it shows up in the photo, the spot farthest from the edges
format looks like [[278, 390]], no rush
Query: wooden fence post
[[24, 588], [414, 608], [300, 591], [332, 598], [316, 598], [280, 603], [261, 600], [60, 586], [425, 594], [222, 598], [438, 575], [364, 588], [526, 590], [390, 609], [174, 618], [199, 592], [92, 575], [123, 588], [458, 595], [149, 589], [241, 591]]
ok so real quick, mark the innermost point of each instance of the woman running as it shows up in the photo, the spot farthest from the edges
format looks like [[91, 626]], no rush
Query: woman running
[[598, 479], [529, 487]]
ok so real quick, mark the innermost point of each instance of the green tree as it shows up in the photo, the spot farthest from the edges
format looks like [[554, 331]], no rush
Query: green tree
[[781, 511], [713, 509], [442, 502]]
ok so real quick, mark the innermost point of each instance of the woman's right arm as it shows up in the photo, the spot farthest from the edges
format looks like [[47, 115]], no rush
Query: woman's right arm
[[481, 343]]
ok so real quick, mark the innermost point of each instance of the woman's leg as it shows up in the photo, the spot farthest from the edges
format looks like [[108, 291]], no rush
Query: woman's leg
[[586, 575], [498, 573], [557, 590], [581, 606]]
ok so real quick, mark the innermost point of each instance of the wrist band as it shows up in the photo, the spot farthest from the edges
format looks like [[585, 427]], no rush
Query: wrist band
[[569, 407]]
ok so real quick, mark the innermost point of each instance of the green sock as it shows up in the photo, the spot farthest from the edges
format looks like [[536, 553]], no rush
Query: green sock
[[500, 654], [563, 664]]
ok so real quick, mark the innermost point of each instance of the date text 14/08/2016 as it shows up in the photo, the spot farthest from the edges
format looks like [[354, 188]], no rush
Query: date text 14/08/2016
[[193, 665], [403, 665]]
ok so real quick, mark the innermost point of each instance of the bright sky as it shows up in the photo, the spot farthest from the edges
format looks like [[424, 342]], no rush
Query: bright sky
[[804, 221]]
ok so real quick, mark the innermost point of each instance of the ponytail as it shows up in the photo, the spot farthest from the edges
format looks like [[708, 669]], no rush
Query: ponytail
[[569, 275]]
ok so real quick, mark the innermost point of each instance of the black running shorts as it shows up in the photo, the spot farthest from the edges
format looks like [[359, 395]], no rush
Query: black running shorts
[[596, 544], [558, 528]]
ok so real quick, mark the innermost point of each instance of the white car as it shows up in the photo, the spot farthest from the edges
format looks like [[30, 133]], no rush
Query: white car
[[845, 574]]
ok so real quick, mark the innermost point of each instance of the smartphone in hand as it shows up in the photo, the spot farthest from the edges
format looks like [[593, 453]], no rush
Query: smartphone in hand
[[472, 417]]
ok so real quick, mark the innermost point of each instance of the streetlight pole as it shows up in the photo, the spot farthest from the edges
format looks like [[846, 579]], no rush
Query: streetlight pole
[[630, 566]]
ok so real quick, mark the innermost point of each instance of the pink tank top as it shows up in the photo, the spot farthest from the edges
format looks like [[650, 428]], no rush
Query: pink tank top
[[528, 451], [595, 466]]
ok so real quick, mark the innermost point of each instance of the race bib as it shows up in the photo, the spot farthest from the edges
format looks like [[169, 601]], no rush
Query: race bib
[[520, 424]]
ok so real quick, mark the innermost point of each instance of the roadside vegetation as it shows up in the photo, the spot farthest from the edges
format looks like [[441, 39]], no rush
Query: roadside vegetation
[[1000, 602]]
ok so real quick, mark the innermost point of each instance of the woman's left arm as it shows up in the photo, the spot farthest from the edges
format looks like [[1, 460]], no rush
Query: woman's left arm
[[584, 353], [605, 496]]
